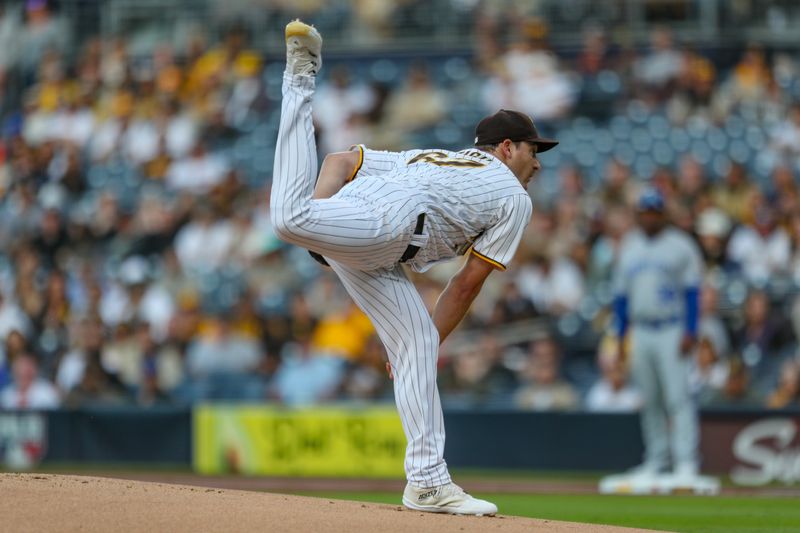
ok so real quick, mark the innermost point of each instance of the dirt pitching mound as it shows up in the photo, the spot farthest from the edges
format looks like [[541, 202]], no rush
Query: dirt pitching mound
[[47, 502]]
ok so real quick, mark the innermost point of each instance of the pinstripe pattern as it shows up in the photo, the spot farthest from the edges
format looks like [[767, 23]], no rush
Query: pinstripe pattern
[[407, 331], [363, 231], [460, 202], [348, 230]]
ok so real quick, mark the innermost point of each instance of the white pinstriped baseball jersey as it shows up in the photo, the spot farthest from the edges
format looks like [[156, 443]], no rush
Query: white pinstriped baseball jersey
[[468, 197]]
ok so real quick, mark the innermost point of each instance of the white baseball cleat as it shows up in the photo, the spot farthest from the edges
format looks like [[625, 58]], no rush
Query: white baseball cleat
[[686, 478], [448, 498], [642, 479], [303, 49], [644, 470]]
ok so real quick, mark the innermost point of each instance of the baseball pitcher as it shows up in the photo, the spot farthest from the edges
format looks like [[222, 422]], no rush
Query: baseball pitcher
[[371, 212]]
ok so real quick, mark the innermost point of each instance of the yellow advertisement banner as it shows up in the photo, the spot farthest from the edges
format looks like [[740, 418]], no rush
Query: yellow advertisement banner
[[261, 440]]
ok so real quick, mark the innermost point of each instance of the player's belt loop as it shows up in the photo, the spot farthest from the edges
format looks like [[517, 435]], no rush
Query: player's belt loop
[[412, 250]]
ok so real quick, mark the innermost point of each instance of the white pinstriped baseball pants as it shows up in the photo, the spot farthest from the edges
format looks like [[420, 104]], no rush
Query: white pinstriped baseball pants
[[363, 251]]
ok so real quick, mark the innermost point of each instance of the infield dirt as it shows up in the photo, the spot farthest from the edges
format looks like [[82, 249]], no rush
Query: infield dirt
[[49, 502]]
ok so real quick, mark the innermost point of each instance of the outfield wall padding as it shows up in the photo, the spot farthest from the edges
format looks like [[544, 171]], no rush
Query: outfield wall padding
[[754, 447]]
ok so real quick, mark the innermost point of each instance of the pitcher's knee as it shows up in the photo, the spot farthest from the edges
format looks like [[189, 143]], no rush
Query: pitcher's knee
[[421, 345], [288, 225], [432, 340], [428, 342]]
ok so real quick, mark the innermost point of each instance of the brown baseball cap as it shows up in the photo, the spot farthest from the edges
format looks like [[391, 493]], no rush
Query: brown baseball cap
[[513, 125]]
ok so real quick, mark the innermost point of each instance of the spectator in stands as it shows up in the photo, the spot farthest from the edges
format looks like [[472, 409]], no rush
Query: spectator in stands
[[542, 388], [613, 392], [343, 333], [28, 390], [713, 228], [786, 136], [597, 53], [528, 77], [694, 92], [783, 192], [14, 344], [74, 125], [140, 143], [205, 243], [616, 221], [571, 226], [105, 142], [536, 240], [145, 367], [573, 186], [179, 128], [12, 318], [245, 91], [735, 194], [554, 285], [160, 370], [736, 391], [104, 220], [223, 363], [137, 297], [693, 190], [65, 172], [197, 173], [761, 248], [97, 386], [43, 30], [618, 187], [22, 213], [51, 338], [708, 373], [52, 238], [711, 326], [154, 223], [416, 105], [477, 374], [749, 80], [335, 105], [763, 334], [659, 69], [26, 291], [511, 306], [367, 380], [86, 341], [787, 392], [305, 376]]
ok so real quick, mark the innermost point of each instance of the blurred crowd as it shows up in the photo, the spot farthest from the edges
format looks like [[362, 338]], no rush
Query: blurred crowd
[[138, 266]]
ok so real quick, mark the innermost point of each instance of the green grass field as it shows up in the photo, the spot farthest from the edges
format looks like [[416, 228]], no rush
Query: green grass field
[[671, 513]]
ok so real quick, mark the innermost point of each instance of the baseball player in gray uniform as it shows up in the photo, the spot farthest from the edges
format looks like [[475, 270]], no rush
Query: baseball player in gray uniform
[[656, 282], [370, 212]]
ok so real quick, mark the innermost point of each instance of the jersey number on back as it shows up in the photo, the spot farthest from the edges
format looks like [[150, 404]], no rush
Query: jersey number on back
[[443, 160]]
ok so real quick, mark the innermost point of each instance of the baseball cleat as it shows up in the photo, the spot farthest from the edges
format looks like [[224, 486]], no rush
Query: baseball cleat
[[303, 49], [450, 499]]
